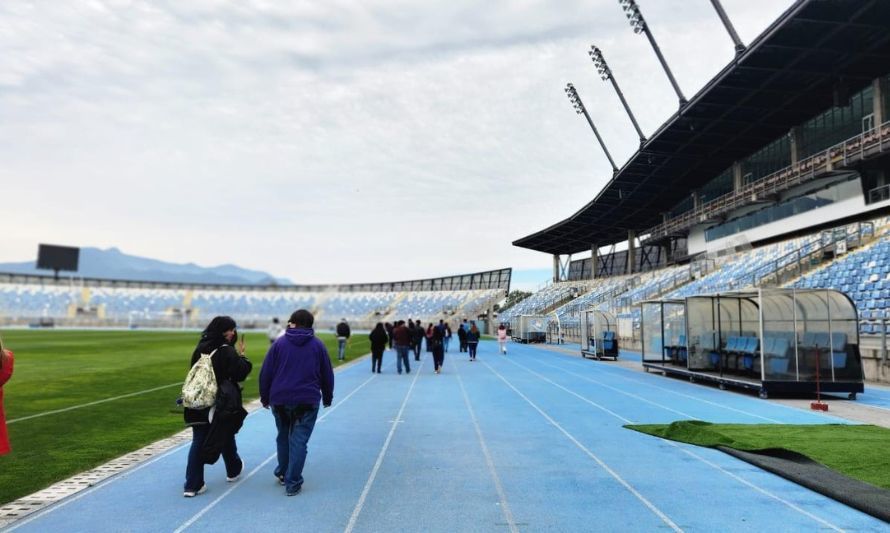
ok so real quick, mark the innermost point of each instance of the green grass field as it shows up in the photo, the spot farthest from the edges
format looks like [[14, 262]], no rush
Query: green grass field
[[859, 452], [62, 369]]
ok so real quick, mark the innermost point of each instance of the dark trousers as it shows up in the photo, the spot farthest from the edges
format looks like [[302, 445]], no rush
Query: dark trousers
[[438, 357], [417, 350], [376, 359], [463, 345], [472, 346], [194, 470]]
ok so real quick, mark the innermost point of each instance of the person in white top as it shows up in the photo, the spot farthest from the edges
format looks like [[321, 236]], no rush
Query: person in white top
[[502, 338], [275, 330]]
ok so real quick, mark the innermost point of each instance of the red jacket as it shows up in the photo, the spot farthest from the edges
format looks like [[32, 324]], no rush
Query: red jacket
[[5, 374]]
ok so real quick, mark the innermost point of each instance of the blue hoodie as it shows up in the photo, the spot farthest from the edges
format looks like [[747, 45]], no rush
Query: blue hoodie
[[297, 370]]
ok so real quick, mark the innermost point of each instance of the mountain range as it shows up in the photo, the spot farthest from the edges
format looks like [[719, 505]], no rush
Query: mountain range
[[114, 264]]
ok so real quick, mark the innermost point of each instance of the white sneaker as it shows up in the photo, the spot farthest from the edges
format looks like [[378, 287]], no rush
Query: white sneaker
[[193, 493], [235, 478]]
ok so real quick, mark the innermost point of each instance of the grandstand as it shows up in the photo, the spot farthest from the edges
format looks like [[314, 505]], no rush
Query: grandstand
[[95, 302], [775, 174]]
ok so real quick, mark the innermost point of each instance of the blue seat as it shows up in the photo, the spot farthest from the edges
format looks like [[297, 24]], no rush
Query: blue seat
[[839, 349]]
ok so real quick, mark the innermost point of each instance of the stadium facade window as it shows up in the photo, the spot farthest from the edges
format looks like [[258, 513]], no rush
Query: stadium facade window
[[771, 158], [836, 124], [717, 187], [680, 208], [789, 208]]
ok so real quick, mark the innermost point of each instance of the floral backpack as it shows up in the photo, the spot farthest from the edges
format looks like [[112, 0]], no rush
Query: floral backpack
[[199, 389]]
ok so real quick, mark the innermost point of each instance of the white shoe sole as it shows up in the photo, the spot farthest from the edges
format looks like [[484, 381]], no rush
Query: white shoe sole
[[236, 478]]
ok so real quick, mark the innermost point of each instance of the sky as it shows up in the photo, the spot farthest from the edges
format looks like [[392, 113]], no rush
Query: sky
[[329, 141]]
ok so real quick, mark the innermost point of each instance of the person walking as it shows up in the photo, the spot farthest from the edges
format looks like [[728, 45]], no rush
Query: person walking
[[418, 339], [275, 330], [502, 339], [7, 362], [462, 338], [343, 333], [228, 365], [447, 336], [473, 340], [296, 374], [429, 338], [403, 342], [389, 327], [378, 339], [437, 340]]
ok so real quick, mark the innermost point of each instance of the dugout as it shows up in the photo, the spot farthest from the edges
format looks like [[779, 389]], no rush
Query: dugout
[[769, 340], [530, 328], [599, 334]]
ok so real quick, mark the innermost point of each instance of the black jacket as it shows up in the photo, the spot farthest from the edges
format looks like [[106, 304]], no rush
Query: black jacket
[[227, 366], [378, 339], [227, 421], [343, 330], [461, 334]]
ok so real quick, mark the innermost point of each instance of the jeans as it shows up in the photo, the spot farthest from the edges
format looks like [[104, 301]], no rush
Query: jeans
[[417, 348], [472, 346], [295, 424], [446, 341], [402, 356], [341, 348], [194, 470]]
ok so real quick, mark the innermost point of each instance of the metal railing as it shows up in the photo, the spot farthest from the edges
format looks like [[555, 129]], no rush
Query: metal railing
[[879, 194], [809, 256], [841, 155]]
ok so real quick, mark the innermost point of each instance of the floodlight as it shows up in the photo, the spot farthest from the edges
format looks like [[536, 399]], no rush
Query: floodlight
[[572, 94], [596, 55], [638, 23]]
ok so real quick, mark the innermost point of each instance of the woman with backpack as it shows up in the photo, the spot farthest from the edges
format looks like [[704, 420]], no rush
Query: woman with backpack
[[6, 365], [378, 339], [231, 366], [473, 340]]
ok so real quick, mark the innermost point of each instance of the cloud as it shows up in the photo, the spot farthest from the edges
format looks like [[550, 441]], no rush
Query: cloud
[[326, 141]]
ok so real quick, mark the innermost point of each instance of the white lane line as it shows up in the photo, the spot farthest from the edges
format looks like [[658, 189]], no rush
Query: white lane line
[[94, 488], [97, 402], [758, 489], [105, 482], [505, 507], [185, 525], [361, 501], [689, 396], [677, 445], [590, 454], [640, 398]]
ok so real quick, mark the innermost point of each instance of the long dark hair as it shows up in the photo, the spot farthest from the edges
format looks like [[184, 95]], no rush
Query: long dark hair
[[379, 327], [212, 335]]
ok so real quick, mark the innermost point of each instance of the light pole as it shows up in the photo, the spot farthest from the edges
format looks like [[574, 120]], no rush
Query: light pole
[[739, 45], [638, 23], [581, 110], [596, 55]]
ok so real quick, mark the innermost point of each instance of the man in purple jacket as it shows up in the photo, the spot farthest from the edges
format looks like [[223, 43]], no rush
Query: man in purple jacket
[[296, 374]]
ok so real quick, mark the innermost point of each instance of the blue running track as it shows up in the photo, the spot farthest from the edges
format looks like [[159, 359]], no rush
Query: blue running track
[[531, 441]]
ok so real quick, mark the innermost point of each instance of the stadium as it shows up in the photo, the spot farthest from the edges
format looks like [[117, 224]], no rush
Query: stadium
[[728, 283]]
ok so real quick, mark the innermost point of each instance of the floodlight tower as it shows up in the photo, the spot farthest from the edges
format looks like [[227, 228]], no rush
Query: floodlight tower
[[581, 110], [596, 55], [739, 45], [638, 23]]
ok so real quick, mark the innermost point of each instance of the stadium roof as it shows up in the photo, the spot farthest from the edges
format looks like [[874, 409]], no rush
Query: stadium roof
[[794, 70]]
